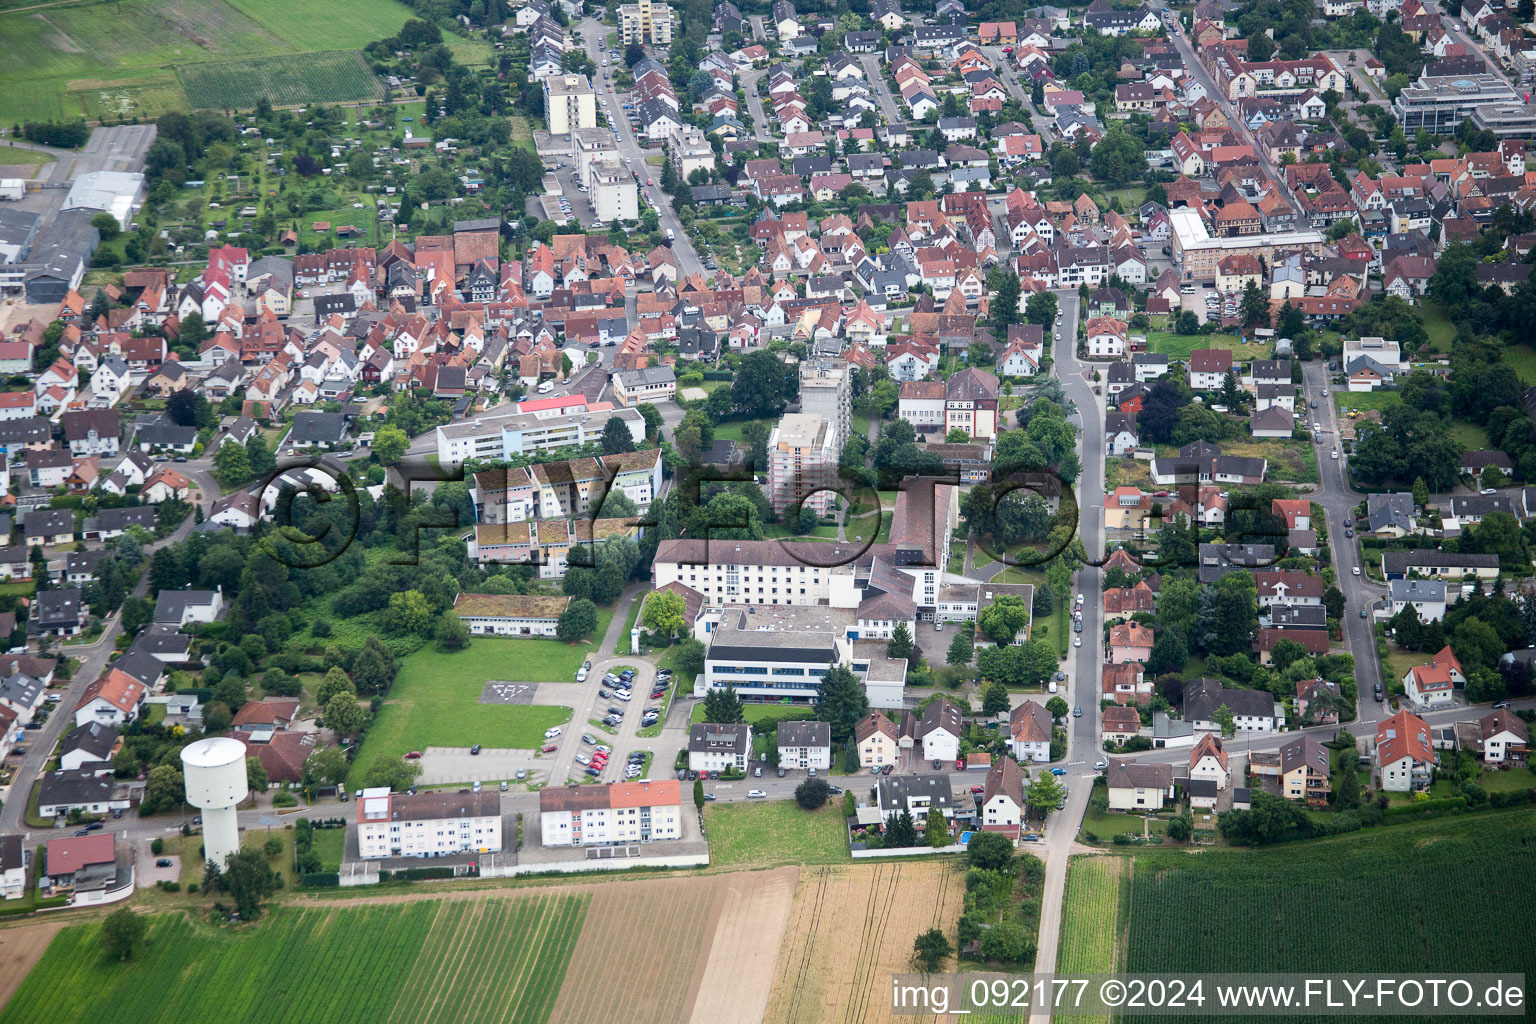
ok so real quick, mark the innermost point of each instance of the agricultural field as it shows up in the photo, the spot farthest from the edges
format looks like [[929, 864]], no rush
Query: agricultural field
[[662, 949], [120, 59], [1095, 887], [331, 76], [851, 929], [435, 698], [1409, 881], [501, 956]]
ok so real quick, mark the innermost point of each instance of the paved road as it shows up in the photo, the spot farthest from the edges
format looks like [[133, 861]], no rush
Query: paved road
[[1186, 50], [1083, 665], [93, 659], [760, 116], [634, 152], [874, 70], [1339, 502]]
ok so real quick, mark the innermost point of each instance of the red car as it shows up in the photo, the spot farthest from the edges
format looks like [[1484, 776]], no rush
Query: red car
[[550, 748], [599, 758], [413, 755]]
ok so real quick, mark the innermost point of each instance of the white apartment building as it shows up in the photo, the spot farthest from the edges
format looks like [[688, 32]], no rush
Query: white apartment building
[[826, 390], [623, 812], [691, 151], [436, 824], [569, 104], [753, 572], [802, 463], [561, 490], [717, 748], [613, 192], [645, 22], [520, 433]]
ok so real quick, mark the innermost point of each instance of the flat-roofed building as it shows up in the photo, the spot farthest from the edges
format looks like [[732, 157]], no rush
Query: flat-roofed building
[[1200, 253]]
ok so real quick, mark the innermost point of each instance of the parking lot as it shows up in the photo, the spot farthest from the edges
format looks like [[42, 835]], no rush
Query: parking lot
[[445, 765]]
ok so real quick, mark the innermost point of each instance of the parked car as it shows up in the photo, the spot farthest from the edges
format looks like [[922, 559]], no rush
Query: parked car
[[783, 772], [756, 794], [549, 748], [1077, 641], [589, 739], [503, 785], [163, 862], [475, 750], [1101, 766], [550, 734], [522, 773], [413, 755], [757, 772], [709, 797], [604, 694], [1380, 697], [581, 675], [583, 759]]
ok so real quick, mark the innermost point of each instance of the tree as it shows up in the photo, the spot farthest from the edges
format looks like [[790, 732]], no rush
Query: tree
[[344, 716], [664, 611], [163, 788], [123, 931], [936, 830], [335, 681], [1455, 280], [1119, 157], [389, 444], [1057, 707], [724, 707], [409, 614], [764, 385], [930, 950], [1169, 653], [577, 622], [451, 633], [989, 851], [900, 646], [1044, 792], [1223, 717], [255, 775], [1041, 308], [232, 464], [326, 767], [1333, 603], [394, 773], [698, 794], [1180, 828], [963, 647], [812, 794], [1005, 301], [841, 701], [616, 438], [994, 699], [1007, 942], [1254, 307], [1347, 792], [248, 879], [1003, 619]]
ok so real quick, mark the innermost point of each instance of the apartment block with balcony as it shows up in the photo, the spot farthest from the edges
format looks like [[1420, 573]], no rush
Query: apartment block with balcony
[[802, 463], [569, 103]]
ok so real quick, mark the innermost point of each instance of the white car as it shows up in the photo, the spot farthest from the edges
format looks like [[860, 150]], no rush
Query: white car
[[756, 794], [550, 734], [581, 675], [1490, 490], [1335, 455], [1077, 641], [623, 695], [1325, 392], [1356, 570]]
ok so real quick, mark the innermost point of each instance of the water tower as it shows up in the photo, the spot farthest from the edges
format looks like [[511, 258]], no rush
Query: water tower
[[216, 783]]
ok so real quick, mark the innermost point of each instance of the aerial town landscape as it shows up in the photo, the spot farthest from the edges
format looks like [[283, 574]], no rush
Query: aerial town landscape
[[538, 511]]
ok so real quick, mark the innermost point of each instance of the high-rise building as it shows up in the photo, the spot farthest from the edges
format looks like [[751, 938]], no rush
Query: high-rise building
[[569, 104], [645, 23], [802, 463], [826, 390]]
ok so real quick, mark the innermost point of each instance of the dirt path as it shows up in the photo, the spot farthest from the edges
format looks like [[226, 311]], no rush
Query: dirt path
[[20, 948], [738, 979]]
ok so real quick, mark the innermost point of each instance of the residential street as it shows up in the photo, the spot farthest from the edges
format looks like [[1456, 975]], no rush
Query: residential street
[[633, 153]]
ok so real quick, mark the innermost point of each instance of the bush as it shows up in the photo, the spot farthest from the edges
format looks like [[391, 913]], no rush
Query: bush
[[169, 886], [320, 880], [157, 846], [283, 798]]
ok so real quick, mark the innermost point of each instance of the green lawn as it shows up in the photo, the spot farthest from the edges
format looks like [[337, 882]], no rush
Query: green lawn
[[757, 712], [1438, 326], [13, 156], [329, 846], [731, 431], [1511, 781], [1346, 400], [772, 833], [1521, 357], [435, 698], [1179, 346], [1108, 824], [1470, 435]]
